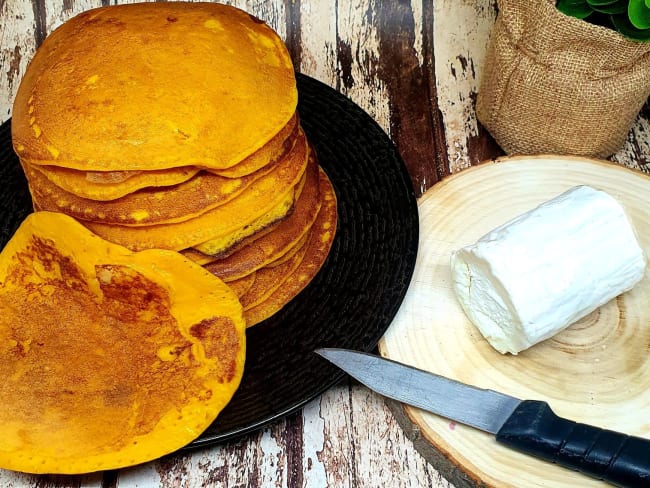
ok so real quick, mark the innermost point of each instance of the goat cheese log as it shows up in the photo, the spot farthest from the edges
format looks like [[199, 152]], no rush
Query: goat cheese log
[[535, 275]]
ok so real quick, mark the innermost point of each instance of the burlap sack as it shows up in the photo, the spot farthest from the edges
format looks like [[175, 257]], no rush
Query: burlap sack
[[556, 84]]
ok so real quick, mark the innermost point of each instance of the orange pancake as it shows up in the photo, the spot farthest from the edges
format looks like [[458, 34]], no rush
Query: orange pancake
[[111, 185], [149, 206], [201, 258], [87, 100], [320, 241], [282, 237], [270, 197], [109, 358]]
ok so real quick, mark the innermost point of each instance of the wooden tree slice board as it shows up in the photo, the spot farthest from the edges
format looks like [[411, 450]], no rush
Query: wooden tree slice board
[[596, 372]]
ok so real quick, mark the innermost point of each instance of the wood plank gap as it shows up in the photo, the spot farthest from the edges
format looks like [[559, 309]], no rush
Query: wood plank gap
[[353, 447], [40, 21], [409, 87], [343, 57], [441, 154], [294, 447], [292, 9], [109, 479]]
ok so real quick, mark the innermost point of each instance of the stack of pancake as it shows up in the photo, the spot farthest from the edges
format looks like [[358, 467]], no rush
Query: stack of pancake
[[174, 126]]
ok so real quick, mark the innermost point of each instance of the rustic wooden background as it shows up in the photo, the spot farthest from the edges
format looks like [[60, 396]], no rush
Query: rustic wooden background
[[413, 65]]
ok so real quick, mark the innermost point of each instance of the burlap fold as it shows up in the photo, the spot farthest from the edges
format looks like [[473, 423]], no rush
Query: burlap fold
[[556, 84]]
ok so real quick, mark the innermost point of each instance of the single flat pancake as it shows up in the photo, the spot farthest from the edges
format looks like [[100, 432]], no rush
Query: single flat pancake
[[282, 237], [147, 206], [94, 336], [266, 200], [111, 185], [141, 87], [320, 241]]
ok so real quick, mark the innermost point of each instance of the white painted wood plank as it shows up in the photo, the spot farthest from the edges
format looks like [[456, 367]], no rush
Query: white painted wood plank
[[17, 46], [59, 11], [314, 469], [363, 446], [357, 37], [318, 41], [461, 30], [382, 450], [271, 12], [336, 453], [417, 9]]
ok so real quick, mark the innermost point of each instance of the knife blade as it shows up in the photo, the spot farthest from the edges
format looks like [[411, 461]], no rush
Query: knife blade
[[528, 426]]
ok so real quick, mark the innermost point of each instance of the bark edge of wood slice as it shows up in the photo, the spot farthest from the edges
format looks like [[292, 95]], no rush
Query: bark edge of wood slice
[[597, 371]]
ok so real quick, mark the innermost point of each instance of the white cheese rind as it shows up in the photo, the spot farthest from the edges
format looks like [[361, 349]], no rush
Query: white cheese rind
[[535, 275]]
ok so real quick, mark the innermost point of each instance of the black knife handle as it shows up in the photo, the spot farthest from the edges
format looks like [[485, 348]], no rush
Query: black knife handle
[[617, 458]]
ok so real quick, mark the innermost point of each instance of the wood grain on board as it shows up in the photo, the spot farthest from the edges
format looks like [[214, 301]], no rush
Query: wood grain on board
[[414, 66]]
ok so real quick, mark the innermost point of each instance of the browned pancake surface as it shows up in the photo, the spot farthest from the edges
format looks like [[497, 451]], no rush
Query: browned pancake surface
[[87, 100], [93, 336]]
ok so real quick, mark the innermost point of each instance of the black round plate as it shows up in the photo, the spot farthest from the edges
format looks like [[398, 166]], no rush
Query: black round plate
[[352, 300]]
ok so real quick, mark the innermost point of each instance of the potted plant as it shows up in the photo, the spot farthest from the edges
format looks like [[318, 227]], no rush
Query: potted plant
[[565, 78], [629, 17]]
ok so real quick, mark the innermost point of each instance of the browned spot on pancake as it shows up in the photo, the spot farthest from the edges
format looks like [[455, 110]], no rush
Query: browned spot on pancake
[[200, 330], [220, 340]]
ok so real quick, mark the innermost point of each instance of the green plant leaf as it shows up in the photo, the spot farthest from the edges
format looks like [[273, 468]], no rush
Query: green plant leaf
[[639, 14], [600, 3], [618, 7], [579, 10], [647, 3], [623, 25]]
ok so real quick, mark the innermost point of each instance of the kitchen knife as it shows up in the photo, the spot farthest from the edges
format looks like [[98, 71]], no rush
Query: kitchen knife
[[528, 426]]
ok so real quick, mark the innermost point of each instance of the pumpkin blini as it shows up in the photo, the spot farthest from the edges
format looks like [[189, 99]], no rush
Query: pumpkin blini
[[150, 86], [110, 357], [112, 184]]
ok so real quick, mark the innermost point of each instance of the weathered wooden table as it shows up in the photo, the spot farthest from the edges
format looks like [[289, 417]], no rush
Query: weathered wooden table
[[413, 66]]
